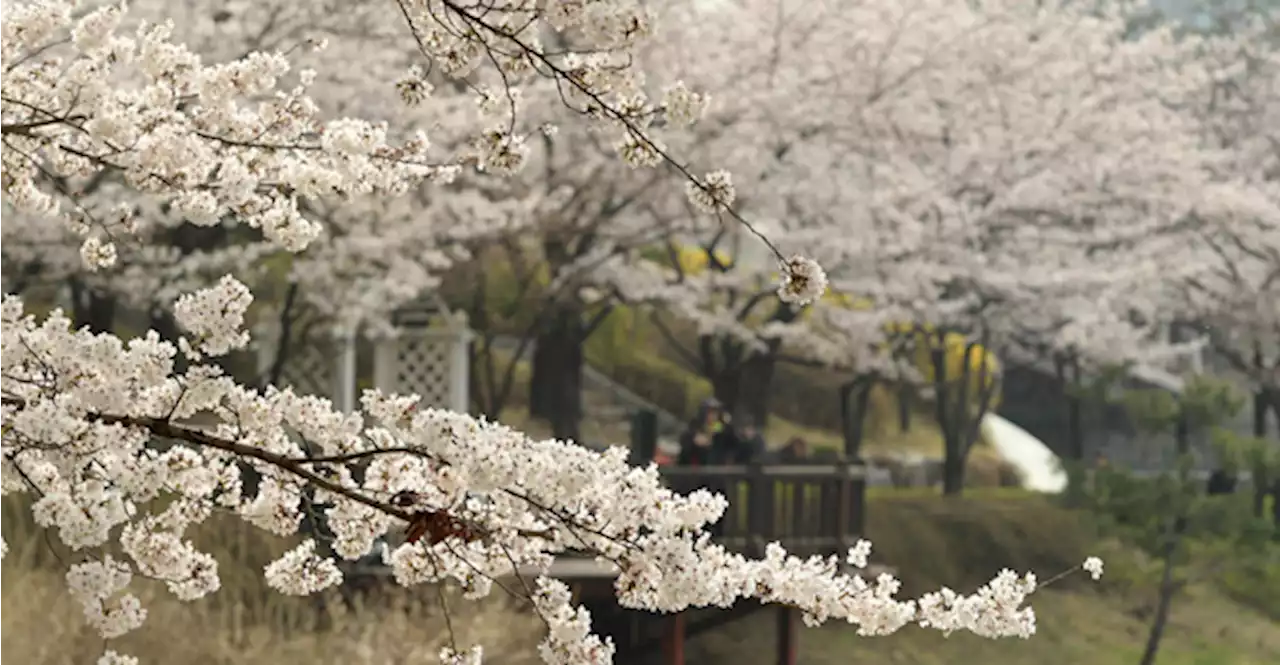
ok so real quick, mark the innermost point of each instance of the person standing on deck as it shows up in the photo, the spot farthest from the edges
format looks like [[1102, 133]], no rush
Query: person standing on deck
[[708, 439], [749, 444]]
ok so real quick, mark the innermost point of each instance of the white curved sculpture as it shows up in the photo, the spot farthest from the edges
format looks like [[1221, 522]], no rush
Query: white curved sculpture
[[1037, 464]]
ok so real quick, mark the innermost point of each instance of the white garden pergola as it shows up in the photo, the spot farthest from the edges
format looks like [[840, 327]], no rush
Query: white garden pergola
[[426, 354]]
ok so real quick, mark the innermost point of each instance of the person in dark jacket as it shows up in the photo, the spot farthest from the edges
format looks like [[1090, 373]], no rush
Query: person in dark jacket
[[750, 445], [708, 439], [1221, 482]]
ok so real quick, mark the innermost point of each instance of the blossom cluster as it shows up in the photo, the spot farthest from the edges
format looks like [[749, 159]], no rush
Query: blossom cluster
[[252, 140], [1040, 177], [216, 145], [81, 411], [212, 141]]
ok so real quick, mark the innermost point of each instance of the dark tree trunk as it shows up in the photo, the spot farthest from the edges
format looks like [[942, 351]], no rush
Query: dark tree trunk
[[722, 364], [741, 379], [1167, 588], [854, 398], [904, 407], [754, 382], [541, 367], [1168, 553], [725, 387], [950, 419], [1075, 432], [92, 309], [1261, 487], [1275, 505], [190, 238], [480, 403], [1261, 404], [954, 449], [953, 469], [555, 383], [1273, 397], [1067, 371], [546, 362]]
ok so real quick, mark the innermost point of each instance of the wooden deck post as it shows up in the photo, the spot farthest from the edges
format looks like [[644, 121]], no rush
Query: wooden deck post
[[673, 639], [788, 635]]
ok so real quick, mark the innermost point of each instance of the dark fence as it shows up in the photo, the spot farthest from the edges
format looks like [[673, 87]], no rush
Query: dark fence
[[809, 508]]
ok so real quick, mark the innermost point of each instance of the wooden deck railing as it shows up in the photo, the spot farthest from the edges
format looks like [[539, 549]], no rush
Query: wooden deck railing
[[809, 508]]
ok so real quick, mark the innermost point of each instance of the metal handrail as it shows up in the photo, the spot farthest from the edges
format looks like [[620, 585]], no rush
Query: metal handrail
[[852, 471]]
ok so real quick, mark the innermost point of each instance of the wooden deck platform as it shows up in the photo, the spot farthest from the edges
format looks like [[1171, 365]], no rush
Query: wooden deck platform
[[564, 568], [811, 509]]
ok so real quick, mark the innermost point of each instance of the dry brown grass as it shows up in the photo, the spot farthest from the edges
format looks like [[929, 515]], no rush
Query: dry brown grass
[[245, 622]]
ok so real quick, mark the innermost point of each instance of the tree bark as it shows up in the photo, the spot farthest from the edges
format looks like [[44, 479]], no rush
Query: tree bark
[[721, 361], [724, 387], [92, 309], [1260, 485], [1275, 504], [905, 393], [741, 379], [854, 398], [555, 383], [1261, 404], [541, 367], [1168, 552], [1167, 588], [1271, 397], [1068, 370], [952, 468], [954, 453], [950, 418], [755, 378]]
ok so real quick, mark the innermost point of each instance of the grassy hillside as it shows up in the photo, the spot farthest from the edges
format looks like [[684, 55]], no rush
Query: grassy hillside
[[1074, 629], [929, 541], [961, 544]]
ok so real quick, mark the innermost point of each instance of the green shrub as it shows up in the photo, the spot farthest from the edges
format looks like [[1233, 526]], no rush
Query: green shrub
[[1253, 579], [1225, 544]]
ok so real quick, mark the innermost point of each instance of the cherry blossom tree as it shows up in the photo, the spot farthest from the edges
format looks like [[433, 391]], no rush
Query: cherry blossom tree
[[1229, 284], [373, 255], [590, 241], [983, 168], [566, 263], [239, 141], [766, 65], [592, 225]]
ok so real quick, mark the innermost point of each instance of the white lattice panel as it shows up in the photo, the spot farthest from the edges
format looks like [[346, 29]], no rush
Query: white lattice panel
[[421, 365]]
